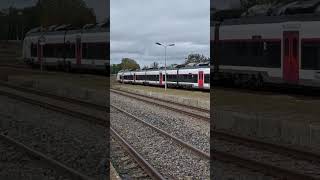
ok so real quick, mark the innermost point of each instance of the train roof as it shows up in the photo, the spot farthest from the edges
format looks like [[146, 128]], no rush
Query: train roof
[[185, 68], [271, 19], [292, 10], [60, 29]]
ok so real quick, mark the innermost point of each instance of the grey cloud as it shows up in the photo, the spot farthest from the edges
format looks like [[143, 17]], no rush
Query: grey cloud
[[135, 27]]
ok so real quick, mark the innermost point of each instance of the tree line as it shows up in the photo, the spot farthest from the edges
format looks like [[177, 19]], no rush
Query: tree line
[[131, 64], [16, 22]]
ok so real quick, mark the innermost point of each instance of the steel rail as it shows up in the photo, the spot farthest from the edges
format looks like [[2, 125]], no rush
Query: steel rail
[[179, 141], [135, 96], [61, 167], [166, 101], [103, 122], [305, 154], [264, 168], [298, 153], [150, 170]]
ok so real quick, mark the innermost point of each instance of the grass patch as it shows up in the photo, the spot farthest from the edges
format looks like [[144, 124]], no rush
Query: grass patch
[[301, 109], [76, 80]]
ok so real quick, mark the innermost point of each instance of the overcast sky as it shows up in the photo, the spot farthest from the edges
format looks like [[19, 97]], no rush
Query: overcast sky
[[99, 6], [135, 27]]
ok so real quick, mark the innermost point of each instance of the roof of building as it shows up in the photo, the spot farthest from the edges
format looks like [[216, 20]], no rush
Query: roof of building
[[64, 27], [277, 12]]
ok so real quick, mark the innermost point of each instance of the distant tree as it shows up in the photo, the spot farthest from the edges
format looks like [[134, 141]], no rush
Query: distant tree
[[16, 22], [145, 67], [73, 12], [115, 68], [154, 65], [127, 63], [196, 58]]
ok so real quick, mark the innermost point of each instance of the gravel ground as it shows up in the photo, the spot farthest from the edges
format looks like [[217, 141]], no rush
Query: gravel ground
[[15, 164], [124, 164], [55, 102], [186, 128], [278, 160], [76, 143], [225, 171], [171, 159], [172, 105]]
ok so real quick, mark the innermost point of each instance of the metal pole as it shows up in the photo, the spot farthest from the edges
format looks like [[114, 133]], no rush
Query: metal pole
[[22, 33], [41, 58], [165, 67], [41, 52]]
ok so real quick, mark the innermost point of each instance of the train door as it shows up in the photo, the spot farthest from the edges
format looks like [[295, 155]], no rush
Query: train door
[[78, 50], [178, 77], [200, 79], [160, 79], [39, 52], [291, 56], [134, 77]]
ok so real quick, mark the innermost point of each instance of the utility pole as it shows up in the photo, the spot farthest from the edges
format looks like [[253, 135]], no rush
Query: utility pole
[[165, 63]]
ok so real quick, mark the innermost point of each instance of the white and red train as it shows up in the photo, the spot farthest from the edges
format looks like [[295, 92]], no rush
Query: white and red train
[[191, 78], [67, 48], [268, 49]]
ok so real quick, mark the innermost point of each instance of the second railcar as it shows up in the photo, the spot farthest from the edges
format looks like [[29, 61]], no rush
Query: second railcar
[[68, 48], [257, 50], [192, 78]]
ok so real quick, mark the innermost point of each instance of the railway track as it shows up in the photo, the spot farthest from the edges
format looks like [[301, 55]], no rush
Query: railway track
[[17, 66], [20, 152], [95, 119], [138, 167], [162, 132], [257, 165], [195, 112], [149, 171], [265, 167], [173, 157], [267, 161]]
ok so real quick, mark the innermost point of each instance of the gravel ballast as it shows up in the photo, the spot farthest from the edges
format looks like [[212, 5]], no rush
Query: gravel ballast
[[186, 128], [76, 143], [171, 159], [271, 158]]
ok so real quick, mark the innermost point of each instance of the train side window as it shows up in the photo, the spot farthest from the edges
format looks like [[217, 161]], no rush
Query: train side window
[[195, 78], [242, 49], [254, 46], [84, 50], [33, 50], [207, 78], [310, 55]]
